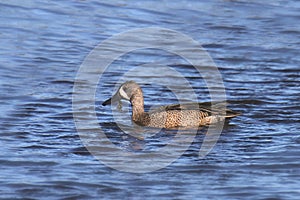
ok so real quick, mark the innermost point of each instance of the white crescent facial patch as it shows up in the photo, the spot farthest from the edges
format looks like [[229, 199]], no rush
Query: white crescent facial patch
[[123, 94]]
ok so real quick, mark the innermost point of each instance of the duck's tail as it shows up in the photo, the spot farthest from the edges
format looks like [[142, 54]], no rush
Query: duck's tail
[[231, 114]]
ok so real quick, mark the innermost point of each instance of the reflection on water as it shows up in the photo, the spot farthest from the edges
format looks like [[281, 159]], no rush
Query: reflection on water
[[255, 46]]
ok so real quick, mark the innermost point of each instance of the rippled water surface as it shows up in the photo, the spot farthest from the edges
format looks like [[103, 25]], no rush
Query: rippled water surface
[[255, 46]]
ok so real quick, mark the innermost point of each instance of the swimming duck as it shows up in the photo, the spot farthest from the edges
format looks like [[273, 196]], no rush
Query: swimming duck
[[171, 116]]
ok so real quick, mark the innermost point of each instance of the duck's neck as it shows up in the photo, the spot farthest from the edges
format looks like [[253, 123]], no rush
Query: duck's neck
[[137, 102]]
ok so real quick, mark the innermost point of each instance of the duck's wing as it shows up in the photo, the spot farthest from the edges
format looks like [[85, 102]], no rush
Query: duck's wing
[[205, 106], [202, 107]]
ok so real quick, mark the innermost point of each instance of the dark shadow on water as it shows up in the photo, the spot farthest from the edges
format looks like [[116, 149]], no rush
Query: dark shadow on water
[[146, 139]]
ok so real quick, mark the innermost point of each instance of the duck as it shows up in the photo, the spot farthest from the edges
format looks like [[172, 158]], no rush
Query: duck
[[189, 115]]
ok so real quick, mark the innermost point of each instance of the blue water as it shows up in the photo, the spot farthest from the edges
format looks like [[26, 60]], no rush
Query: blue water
[[255, 46]]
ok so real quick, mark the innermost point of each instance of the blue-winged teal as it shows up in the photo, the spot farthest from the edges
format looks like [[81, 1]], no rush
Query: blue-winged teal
[[184, 115]]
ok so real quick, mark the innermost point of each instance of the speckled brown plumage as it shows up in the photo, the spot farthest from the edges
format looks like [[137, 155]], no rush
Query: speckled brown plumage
[[185, 115]]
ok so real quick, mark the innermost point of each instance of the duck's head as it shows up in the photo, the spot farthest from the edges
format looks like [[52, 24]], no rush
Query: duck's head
[[125, 91]]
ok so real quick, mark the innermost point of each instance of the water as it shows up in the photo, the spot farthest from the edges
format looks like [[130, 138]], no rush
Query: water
[[254, 44]]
